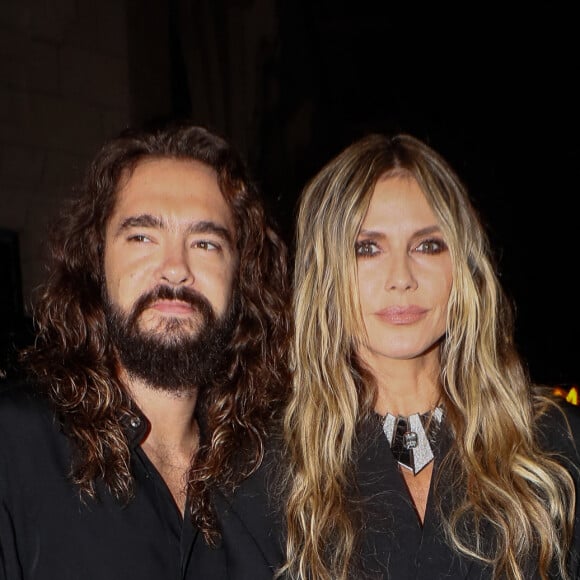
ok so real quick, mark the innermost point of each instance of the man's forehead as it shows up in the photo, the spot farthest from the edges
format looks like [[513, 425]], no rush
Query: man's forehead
[[162, 186], [154, 162], [167, 177]]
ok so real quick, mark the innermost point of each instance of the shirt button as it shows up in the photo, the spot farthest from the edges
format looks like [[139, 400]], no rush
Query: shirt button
[[135, 422]]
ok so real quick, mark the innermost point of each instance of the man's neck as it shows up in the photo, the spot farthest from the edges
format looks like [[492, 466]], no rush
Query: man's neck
[[173, 439]]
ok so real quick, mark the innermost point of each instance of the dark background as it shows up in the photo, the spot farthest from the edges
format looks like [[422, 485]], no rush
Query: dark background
[[492, 88]]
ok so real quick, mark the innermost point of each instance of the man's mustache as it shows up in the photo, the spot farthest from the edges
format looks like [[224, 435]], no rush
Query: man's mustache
[[188, 295]]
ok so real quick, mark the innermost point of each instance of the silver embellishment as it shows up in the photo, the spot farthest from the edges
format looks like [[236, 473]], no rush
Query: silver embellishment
[[408, 439], [135, 422]]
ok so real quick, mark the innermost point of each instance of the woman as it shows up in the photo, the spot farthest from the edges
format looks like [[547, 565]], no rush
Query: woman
[[417, 446]]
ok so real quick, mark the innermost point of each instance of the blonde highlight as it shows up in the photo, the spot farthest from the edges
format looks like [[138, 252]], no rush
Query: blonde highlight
[[501, 474]]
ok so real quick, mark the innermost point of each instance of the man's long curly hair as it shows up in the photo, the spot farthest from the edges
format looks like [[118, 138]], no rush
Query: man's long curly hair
[[75, 363]]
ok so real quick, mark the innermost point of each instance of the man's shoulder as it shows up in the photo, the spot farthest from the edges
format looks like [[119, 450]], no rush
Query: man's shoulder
[[257, 499], [22, 405], [251, 520]]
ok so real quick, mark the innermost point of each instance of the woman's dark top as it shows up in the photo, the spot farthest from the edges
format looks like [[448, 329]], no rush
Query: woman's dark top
[[394, 545]]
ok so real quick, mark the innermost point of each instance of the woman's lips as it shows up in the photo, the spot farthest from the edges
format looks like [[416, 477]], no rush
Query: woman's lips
[[401, 314]]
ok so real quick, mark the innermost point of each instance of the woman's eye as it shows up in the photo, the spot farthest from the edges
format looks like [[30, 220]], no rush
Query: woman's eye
[[431, 246], [366, 248]]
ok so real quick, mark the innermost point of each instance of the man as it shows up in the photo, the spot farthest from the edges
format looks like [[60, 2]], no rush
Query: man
[[158, 364]]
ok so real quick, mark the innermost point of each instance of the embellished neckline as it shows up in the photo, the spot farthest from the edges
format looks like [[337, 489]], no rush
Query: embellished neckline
[[412, 438]]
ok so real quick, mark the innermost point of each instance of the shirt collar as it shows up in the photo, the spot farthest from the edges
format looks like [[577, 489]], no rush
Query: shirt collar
[[136, 427]]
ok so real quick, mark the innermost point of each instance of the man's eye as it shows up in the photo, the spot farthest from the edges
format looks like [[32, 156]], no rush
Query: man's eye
[[205, 245], [366, 248], [140, 238], [431, 246]]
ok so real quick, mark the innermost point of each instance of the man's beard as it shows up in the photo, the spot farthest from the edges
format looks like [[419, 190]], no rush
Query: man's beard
[[180, 354]]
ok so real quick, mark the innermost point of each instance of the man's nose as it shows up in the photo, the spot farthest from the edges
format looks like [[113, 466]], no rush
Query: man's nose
[[175, 269]]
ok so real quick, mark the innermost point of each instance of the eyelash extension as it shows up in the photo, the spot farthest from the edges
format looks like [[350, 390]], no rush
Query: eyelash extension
[[363, 245], [442, 246]]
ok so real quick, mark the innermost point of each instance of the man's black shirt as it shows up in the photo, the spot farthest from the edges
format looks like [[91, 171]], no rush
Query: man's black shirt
[[47, 532]]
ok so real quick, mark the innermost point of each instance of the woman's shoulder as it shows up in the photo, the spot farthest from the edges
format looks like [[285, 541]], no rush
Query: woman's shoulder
[[558, 424]]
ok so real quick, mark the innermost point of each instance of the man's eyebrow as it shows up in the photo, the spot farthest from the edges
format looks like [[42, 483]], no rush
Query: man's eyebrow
[[141, 221], [201, 227], [209, 227]]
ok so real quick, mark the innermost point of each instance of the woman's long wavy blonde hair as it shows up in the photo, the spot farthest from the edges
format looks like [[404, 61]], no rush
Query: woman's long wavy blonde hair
[[499, 473]]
